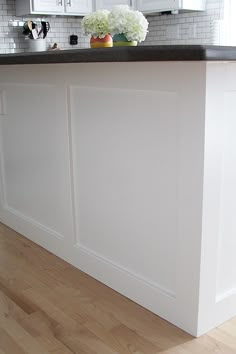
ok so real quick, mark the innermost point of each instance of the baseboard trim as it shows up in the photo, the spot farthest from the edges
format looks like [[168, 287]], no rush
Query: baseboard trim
[[34, 223], [106, 262]]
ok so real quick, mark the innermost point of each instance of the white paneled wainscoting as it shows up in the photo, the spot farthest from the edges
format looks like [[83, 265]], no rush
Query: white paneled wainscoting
[[126, 170]]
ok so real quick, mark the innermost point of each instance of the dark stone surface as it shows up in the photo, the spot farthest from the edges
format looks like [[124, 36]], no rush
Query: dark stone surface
[[124, 54]]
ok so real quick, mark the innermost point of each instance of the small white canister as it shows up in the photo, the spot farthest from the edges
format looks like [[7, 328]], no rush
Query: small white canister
[[37, 45]]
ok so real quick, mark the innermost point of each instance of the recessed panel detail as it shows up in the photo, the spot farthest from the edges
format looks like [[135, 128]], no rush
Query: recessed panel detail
[[126, 157]]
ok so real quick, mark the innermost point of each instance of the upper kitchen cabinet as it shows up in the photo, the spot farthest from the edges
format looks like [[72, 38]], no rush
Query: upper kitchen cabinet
[[53, 7], [149, 6], [47, 6], [27, 7], [108, 4], [74, 7]]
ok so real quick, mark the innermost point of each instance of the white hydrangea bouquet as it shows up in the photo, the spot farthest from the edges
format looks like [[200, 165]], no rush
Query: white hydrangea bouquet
[[132, 24], [96, 24]]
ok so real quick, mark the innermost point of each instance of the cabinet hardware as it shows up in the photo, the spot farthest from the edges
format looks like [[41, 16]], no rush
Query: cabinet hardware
[[68, 2], [60, 3]]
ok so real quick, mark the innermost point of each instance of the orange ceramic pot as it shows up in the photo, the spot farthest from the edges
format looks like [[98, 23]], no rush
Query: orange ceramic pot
[[105, 42]]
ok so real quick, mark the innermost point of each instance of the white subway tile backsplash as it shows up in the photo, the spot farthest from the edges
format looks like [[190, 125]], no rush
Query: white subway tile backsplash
[[194, 27]]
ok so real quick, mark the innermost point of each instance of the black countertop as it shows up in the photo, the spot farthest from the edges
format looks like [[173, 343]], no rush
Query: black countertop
[[124, 54]]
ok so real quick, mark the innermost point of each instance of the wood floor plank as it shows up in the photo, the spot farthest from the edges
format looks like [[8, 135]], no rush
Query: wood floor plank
[[86, 343], [132, 342], [61, 351], [8, 344], [49, 307], [15, 281], [40, 328], [50, 310], [144, 323], [81, 307], [224, 336], [106, 336], [9, 309], [14, 334], [17, 298]]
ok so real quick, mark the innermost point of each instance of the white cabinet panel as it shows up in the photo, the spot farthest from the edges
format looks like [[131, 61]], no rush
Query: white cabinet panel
[[35, 167], [117, 180], [48, 6], [170, 5], [108, 4], [56, 7], [78, 6], [226, 281], [161, 5]]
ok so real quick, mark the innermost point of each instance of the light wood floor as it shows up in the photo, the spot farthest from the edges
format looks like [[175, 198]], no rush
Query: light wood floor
[[48, 306]]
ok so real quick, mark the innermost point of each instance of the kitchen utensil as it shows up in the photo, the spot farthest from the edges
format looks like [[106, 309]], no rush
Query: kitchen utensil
[[30, 25], [29, 29], [45, 27], [41, 31], [26, 29], [35, 33]]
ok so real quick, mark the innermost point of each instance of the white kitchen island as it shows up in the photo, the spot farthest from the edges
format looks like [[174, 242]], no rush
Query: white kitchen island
[[127, 170]]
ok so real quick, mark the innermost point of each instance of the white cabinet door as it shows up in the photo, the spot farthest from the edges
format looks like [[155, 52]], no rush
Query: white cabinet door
[[54, 7], [154, 5], [108, 4], [78, 7], [48, 6], [170, 5]]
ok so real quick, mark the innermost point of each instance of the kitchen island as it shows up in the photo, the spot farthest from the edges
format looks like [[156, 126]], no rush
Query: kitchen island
[[122, 162]]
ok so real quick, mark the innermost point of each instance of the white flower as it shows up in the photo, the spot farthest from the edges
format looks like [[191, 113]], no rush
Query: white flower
[[96, 23], [131, 23]]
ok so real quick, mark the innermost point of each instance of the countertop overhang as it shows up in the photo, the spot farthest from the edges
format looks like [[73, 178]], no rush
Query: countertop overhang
[[124, 54]]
